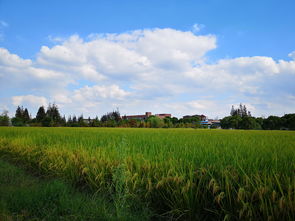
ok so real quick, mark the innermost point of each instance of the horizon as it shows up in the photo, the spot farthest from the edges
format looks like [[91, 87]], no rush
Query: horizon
[[175, 57], [138, 114]]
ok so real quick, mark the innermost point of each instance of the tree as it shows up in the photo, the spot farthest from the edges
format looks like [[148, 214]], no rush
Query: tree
[[239, 118], [70, 121], [174, 120], [18, 120], [81, 122], [288, 121], [132, 122], [235, 122], [74, 122], [156, 122], [168, 122], [272, 123], [259, 123], [4, 119], [40, 114], [53, 114], [19, 112], [248, 123], [63, 121], [232, 112], [95, 122], [225, 122], [231, 122], [47, 122], [241, 111], [26, 116], [111, 119]]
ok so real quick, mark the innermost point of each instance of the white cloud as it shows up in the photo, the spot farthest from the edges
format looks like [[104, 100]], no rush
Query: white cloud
[[161, 70], [292, 55], [100, 92], [197, 27], [128, 54], [244, 74], [29, 100], [3, 24], [202, 105], [55, 39], [12, 60], [19, 73]]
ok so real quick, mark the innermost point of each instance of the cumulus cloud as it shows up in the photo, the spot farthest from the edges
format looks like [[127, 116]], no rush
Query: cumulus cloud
[[31, 100], [100, 92], [3, 25], [197, 27], [292, 55], [161, 70], [243, 75]]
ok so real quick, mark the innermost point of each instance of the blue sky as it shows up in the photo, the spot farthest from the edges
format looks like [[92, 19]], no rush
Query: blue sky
[[241, 51]]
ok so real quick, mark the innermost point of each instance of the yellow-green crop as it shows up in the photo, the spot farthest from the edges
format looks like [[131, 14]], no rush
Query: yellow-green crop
[[180, 173]]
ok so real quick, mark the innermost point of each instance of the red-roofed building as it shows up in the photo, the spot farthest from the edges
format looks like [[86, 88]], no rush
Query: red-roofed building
[[146, 116], [202, 117]]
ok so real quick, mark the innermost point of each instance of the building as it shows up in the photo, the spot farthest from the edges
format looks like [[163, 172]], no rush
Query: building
[[146, 116], [210, 123], [138, 117], [162, 116], [202, 117]]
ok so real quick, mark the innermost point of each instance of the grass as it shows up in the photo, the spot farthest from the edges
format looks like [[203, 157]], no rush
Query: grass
[[27, 197], [179, 173]]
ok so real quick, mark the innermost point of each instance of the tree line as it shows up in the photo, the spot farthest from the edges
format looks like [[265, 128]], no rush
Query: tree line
[[240, 118], [51, 117]]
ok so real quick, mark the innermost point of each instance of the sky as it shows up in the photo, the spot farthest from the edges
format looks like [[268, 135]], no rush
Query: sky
[[179, 57]]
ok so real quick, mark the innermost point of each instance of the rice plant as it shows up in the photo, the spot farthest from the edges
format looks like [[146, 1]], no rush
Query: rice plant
[[180, 173]]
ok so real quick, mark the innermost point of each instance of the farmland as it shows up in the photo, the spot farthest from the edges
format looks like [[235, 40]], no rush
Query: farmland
[[178, 173]]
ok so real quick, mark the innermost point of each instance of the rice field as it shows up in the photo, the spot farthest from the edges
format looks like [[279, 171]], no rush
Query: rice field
[[186, 174]]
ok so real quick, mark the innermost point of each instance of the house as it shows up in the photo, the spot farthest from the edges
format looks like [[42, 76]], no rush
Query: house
[[162, 116], [210, 123], [202, 117], [138, 117], [145, 117], [87, 121]]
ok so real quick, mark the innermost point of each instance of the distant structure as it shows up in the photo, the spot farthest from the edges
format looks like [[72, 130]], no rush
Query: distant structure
[[202, 117], [146, 116], [162, 116], [204, 121], [211, 123]]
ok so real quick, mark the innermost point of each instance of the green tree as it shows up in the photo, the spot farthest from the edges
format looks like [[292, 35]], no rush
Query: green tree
[[18, 120], [174, 120], [132, 123], [240, 111], [95, 122], [81, 122], [53, 113], [288, 121], [19, 112], [168, 122], [272, 123], [156, 122], [231, 122], [47, 122], [63, 121], [74, 122], [40, 114], [4, 119], [26, 116], [235, 122], [248, 123]]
